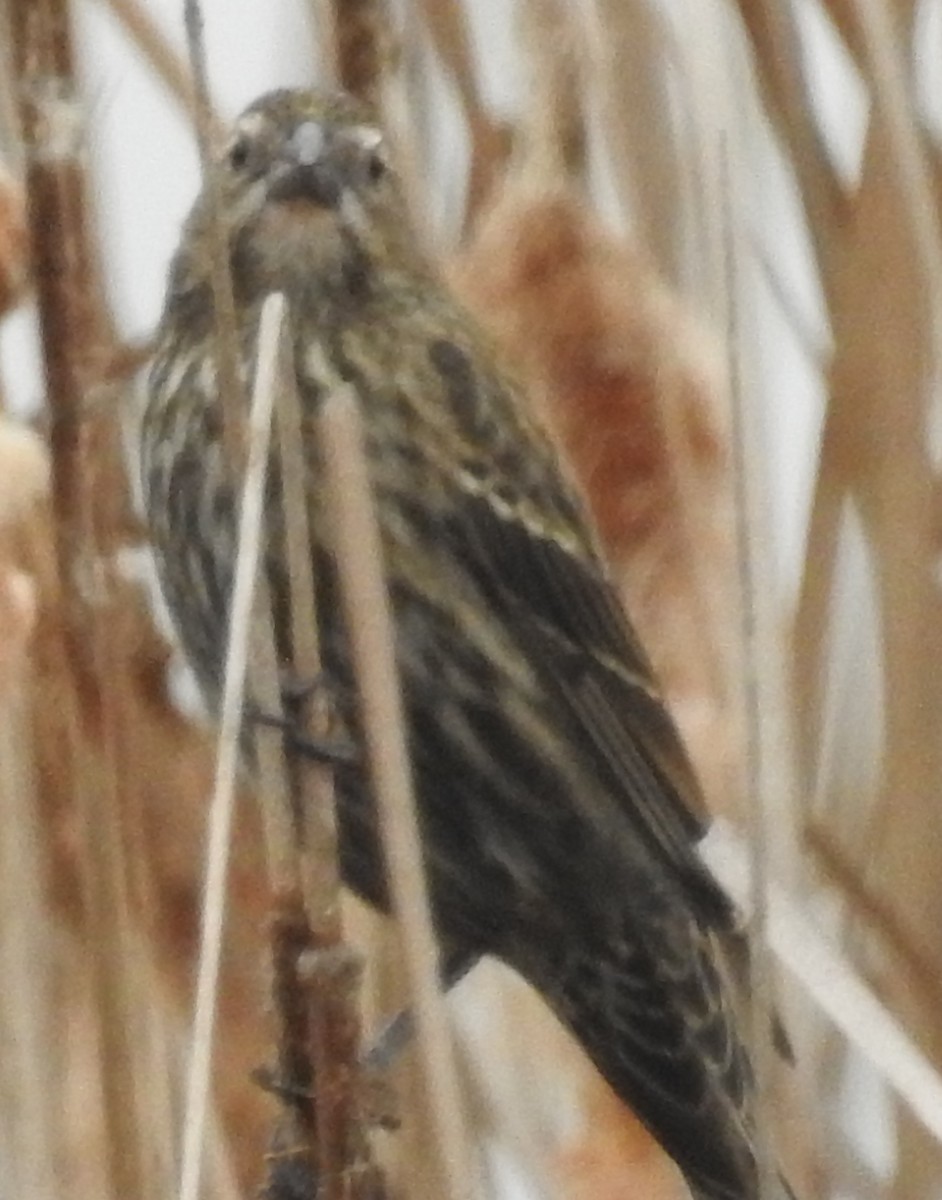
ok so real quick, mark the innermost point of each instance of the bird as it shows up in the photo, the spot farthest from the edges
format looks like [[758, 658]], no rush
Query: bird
[[560, 814]]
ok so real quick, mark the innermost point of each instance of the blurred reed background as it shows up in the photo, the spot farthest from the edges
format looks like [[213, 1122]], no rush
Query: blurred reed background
[[708, 236]]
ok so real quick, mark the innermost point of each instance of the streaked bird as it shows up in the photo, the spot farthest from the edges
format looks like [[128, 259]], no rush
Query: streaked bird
[[559, 812]]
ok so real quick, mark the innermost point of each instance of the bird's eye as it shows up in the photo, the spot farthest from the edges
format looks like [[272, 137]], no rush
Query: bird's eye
[[375, 168], [239, 153]]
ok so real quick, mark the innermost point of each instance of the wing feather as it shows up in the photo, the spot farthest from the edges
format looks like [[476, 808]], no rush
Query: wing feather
[[569, 618]]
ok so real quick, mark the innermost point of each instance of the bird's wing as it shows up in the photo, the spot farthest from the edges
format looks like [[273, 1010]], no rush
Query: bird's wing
[[559, 600], [522, 526], [650, 1002], [652, 1005]]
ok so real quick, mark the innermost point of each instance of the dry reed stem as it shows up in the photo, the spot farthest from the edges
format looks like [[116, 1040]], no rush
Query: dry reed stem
[[70, 317], [25, 473], [878, 914], [13, 240], [688, 401], [750, 528], [321, 878], [892, 94], [301, 1138], [9, 120], [28, 1021], [75, 340], [360, 31], [845, 16], [630, 86], [314, 990], [333, 973], [409, 117], [875, 453], [782, 79], [875, 450], [871, 250], [277, 819], [370, 630], [447, 26], [249, 552], [174, 775], [31, 1123], [158, 52], [833, 985], [121, 994], [553, 127], [321, 17]]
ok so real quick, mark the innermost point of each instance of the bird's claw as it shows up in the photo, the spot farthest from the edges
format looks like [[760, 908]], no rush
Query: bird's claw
[[399, 1029], [331, 751], [268, 1080], [389, 1043], [297, 689]]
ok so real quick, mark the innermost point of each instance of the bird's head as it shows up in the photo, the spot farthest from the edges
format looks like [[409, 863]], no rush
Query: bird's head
[[311, 199]]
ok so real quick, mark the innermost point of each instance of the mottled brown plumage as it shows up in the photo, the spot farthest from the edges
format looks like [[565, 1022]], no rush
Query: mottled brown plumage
[[559, 813]]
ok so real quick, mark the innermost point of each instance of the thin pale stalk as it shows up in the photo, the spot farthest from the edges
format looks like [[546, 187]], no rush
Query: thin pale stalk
[[121, 992], [278, 822], [756, 766], [227, 763], [10, 142], [76, 339], [630, 78], [370, 629], [27, 1022], [272, 779], [171, 1035], [321, 872], [361, 32], [555, 124], [892, 91], [321, 20], [71, 324], [305, 1125], [879, 914], [783, 78], [447, 25]]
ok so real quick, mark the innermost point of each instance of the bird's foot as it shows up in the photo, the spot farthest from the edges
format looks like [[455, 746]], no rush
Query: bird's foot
[[398, 1031], [332, 751], [297, 690], [269, 1081], [389, 1043]]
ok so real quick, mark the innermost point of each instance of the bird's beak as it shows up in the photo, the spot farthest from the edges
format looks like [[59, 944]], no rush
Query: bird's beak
[[312, 168]]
